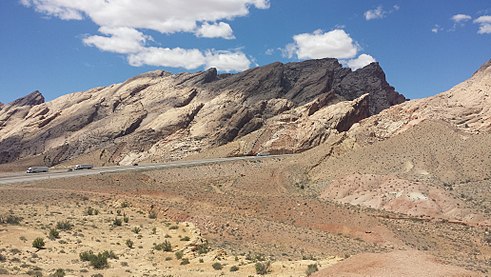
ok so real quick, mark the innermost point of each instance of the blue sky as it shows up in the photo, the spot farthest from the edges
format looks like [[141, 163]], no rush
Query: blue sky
[[59, 47]]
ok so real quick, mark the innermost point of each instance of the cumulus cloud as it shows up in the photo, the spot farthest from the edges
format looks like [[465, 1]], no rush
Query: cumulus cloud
[[190, 58], [334, 44], [122, 24], [120, 40], [484, 24], [460, 18], [227, 60], [216, 30], [362, 61]]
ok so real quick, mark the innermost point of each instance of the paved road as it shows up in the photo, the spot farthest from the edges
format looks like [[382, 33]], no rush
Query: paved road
[[12, 178]]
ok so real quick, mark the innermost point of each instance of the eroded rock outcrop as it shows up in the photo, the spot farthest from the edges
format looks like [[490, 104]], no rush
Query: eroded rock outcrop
[[158, 116]]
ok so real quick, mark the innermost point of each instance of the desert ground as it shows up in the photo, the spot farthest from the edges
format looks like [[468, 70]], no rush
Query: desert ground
[[244, 218]]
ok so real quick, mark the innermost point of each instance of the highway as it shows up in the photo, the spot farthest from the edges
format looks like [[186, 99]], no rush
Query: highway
[[21, 177]]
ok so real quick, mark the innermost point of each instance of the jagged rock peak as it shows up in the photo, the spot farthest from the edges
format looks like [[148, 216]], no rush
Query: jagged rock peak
[[32, 99], [484, 68]]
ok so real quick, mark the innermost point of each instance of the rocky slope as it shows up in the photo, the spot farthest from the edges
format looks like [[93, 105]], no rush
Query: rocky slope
[[159, 116], [424, 158]]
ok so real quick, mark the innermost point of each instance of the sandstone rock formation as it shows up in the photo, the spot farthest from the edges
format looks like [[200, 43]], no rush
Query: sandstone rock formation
[[159, 116], [466, 106]]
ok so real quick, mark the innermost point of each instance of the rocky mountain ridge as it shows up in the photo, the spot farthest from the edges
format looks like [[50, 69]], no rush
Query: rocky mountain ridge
[[159, 116]]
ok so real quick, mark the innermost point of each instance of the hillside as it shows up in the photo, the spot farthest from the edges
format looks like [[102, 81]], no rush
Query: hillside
[[158, 116]]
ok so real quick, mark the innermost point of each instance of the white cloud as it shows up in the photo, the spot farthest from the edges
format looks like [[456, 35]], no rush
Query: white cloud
[[362, 61], [436, 29], [377, 13], [175, 57], [216, 30], [227, 60], [122, 24], [121, 40], [190, 58], [334, 44], [460, 18], [484, 24]]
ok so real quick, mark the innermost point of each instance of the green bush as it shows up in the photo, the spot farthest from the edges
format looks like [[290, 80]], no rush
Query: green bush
[[53, 234], [152, 214], [136, 230], [129, 243], [179, 255], [58, 273], [234, 268], [10, 219], [186, 238], [91, 211], [117, 222], [263, 268], [311, 268], [203, 248], [217, 266], [98, 261], [185, 261], [165, 246], [38, 243], [64, 225]]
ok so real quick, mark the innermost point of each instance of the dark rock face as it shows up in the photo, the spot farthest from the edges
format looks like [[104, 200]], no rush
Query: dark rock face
[[32, 99], [304, 81], [160, 116]]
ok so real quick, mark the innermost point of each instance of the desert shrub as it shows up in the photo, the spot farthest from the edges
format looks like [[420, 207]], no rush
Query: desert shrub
[[53, 234], [185, 261], [203, 248], [117, 222], [154, 230], [38, 243], [186, 238], [217, 266], [179, 255], [125, 204], [58, 273], [165, 246], [263, 268], [126, 219], [234, 268], [91, 211], [64, 225], [97, 275], [129, 243], [311, 268], [35, 273], [173, 227], [136, 230], [152, 214], [98, 261], [10, 219]]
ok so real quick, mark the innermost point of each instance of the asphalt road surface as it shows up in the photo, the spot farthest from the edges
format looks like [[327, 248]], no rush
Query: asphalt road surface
[[21, 177]]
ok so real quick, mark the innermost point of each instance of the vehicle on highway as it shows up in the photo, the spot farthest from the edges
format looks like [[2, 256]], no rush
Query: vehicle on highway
[[83, 166], [37, 169], [261, 154]]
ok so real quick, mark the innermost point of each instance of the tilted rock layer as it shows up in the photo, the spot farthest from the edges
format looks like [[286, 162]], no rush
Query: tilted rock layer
[[158, 116]]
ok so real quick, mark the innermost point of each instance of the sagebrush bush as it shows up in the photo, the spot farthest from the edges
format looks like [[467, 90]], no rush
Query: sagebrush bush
[[53, 234], [263, 268], [64, 225], [217, 266], [38, 243]]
